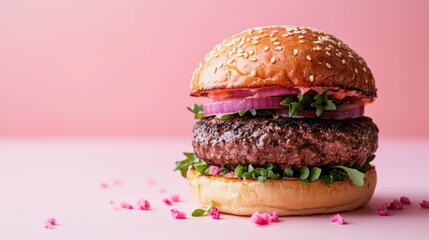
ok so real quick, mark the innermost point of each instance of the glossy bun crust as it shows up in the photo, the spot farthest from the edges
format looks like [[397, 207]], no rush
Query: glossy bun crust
[[282, 56], [286, 196]]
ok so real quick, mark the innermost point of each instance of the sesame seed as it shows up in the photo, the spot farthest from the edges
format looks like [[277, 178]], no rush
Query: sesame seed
[[275, 31], [273, 60], [240, 50], [253, 73], [311, 78], [278, 48], [273, 39], [228, 73], [338, 54], [364, 69], [253, 59], [295, 52], [317, 48], [220, 65], [327, 49], [264, 35], [301, 41], [356, 70], [300, 36], [328, 65], [246, 54], [266, 48], [284, 35], [327, 53], [308, 57], [231, 60], [255, 42], [276, 43], [215, 70], [343, 61], [251, 52], [256, 37], [239, 55]]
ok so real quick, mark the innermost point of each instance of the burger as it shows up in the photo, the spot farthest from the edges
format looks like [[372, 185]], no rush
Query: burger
[[285, 128]]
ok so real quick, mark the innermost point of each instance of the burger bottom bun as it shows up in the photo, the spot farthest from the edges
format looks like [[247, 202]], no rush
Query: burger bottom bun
[[286, 196]]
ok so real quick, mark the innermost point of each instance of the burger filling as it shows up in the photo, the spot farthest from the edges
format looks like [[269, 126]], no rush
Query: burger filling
[[275, 133]]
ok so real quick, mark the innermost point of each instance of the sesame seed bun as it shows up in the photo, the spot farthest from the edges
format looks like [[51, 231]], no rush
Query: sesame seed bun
[[279, 56], [286, 196]]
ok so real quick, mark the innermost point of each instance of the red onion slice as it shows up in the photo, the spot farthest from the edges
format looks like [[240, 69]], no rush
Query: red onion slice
[[234, 106], [342, 112]]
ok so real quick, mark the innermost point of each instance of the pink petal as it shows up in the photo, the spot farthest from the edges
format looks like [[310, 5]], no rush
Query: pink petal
[[167, 201], [230, 175], [104, 185], [405, 200], [395, 205], [175, 198], [162, 190], [177, 214], [424, 204], [111, 202], [214, 170], [274, 217], [51, 221], [337, 218], [116, 208], [127, 206], [142, 204], [259, 219], [382, 210], [215, 213]]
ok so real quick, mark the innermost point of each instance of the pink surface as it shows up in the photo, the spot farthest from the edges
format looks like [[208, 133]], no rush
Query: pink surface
[[124, 67], [60, 178]]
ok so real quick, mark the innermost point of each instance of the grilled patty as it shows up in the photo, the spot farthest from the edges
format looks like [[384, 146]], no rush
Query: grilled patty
[[288, 142]]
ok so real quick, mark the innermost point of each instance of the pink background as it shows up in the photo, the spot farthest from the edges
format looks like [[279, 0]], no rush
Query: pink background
[[78, 68]]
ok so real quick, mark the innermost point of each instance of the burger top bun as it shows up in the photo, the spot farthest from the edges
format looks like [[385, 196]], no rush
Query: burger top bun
[[281, 56]]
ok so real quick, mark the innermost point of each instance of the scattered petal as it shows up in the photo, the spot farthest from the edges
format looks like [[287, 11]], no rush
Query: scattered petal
[[395, 205], [162, 190], [127, 206], [142, 204], [50, 223], [167, 201], [177, 214], [104, 185], [215, 213], [424, 204], [259, 219], [337, 218], [111, 202], [274, 217], [214, 170], [116, 208], [264, 218], [405, 200], [175, 198], [230, 175], [382, 210]]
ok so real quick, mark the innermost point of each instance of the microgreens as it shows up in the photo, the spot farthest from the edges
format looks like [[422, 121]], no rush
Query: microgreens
[[327, 174], [197, 109], [320, 103], [200, 212]]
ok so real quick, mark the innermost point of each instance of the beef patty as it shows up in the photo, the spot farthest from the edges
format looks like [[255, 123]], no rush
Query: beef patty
[[288, 142]]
